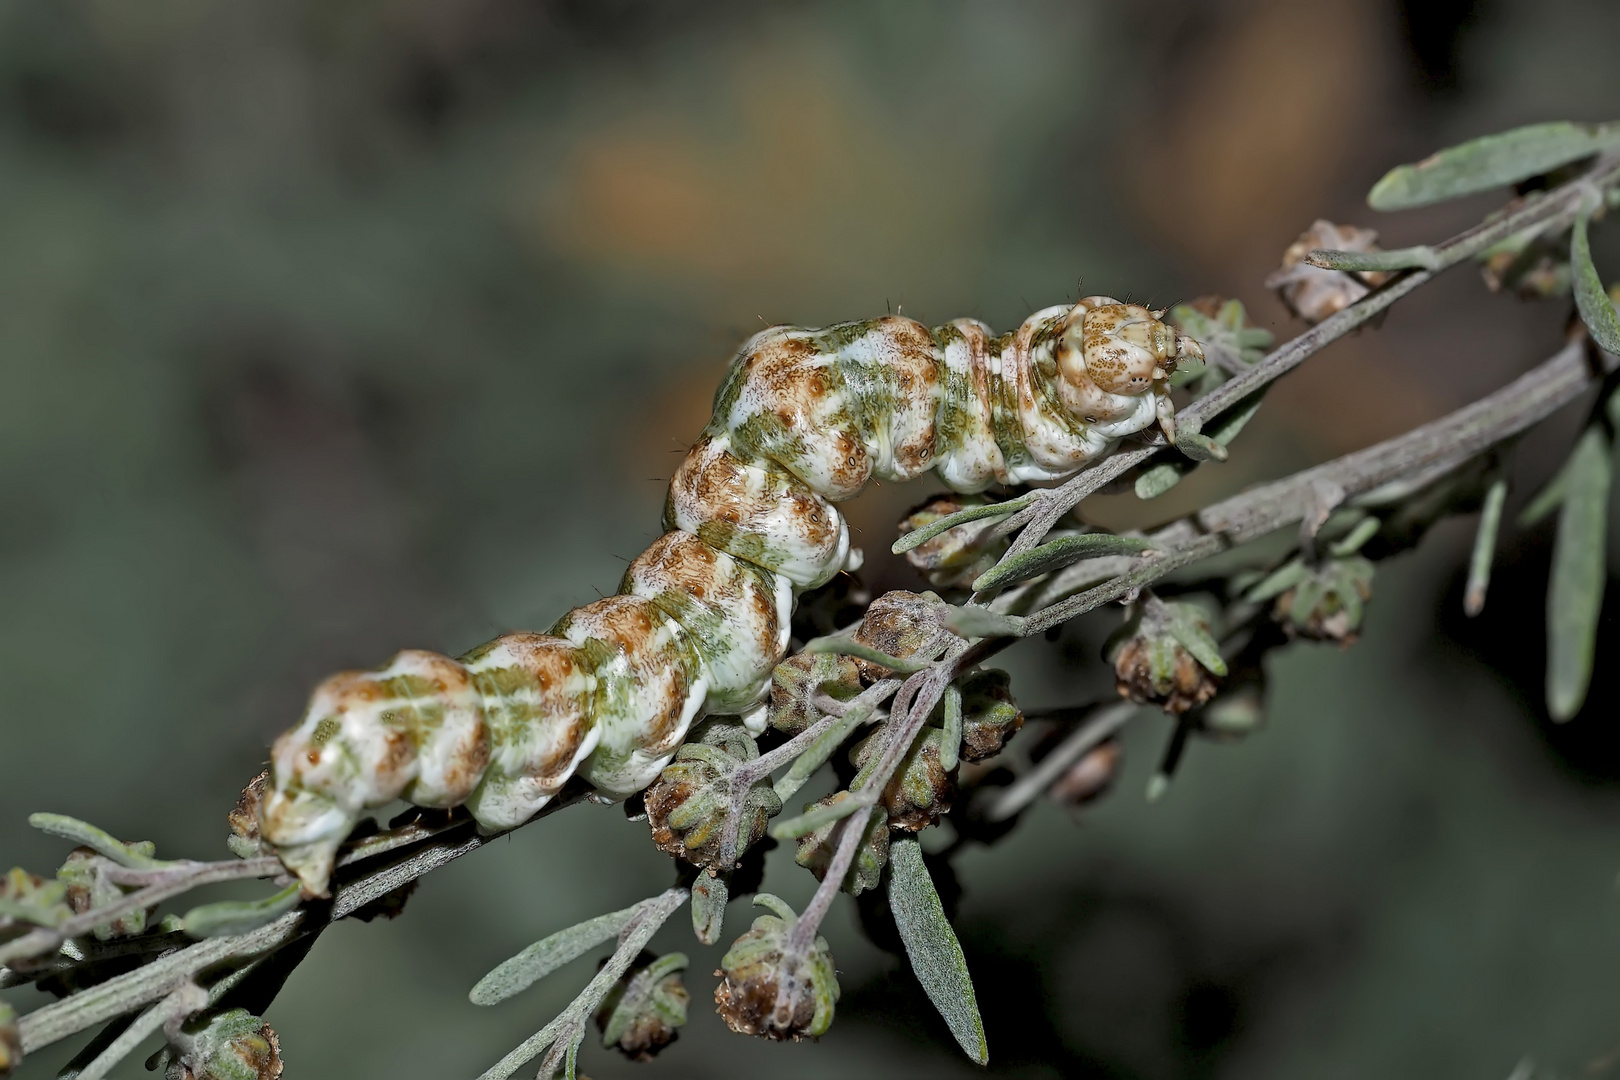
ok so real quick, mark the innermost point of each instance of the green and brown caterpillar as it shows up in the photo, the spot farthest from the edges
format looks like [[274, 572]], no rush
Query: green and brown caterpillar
[[802, 421]]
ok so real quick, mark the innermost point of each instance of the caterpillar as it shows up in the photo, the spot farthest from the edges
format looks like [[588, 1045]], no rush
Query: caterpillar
[[803, 419]]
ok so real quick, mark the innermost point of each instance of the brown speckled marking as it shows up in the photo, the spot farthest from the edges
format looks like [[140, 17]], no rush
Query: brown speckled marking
[[550, 665], [712, 484], [454, 690], [630, 625], [802, 387], [916, 366]]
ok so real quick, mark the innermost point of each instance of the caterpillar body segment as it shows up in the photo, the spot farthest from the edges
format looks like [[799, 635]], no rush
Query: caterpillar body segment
[[804, 419]]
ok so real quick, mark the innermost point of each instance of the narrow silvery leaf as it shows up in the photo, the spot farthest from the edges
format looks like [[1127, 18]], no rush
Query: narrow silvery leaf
[[1597, 310], [1278, 582], [710, 895], [1490, 162], [1196, 640], [1545, 501], [1412, 258], [1575, 594], [1200, 447], [931, 945], [1223, 429], [818, 752], [1057, 554], [951, 744], [848, 646], [1479, 564], [976, 621], [1364, 530], [136, 856], [808, 822], [239, 916], [961, 517], [547, 955]]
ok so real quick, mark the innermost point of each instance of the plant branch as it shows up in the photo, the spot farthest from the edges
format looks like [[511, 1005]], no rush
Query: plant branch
[[1558, 207]]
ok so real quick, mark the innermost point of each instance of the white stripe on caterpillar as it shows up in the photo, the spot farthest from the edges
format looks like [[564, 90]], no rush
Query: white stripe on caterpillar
[[804, 419]]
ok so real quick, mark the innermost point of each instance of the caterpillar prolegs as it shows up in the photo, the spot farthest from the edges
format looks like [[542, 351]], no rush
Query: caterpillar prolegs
[[803, 420]]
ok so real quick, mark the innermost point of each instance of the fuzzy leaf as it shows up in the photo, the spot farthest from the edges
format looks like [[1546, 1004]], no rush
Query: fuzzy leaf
[[951, 744], [1200, 447], [1575, 594], [1490, 162], [547, 955], [975, 621], [710, 895], [1422, 257], [1597, 310], [1153, 482], [1278, 582], [1479, 563], [1057, 554], [961, 517], [136, 856], [239, 916], [808, 822], [848, 646], [931, 945], [1196, 640]]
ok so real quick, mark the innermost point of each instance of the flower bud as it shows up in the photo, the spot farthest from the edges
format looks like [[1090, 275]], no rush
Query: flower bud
[[1313, 293], [232, 1045], [1090, 777], [688, 803], [816, 849], [28, 900], [989, 714], [921, 789], [751, 976], [11, 1053], [1228, 338], [901, 624], [88, 888], [955, 557], [1328, 604], [798, 679], [644, 1011], [1165, 655]]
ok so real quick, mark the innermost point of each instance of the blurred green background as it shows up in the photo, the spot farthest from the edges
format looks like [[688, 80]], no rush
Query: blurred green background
[[332, 328]]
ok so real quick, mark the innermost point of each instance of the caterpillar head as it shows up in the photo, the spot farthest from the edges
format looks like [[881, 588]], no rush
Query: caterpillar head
[[1123, 349]]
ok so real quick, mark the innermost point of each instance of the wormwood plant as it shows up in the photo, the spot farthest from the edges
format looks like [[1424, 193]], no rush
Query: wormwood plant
[[893, 696]]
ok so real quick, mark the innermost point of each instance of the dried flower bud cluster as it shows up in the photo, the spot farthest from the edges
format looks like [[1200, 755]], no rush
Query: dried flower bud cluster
[[921, 789], [902, 624], [751, 975], [1532, 268], [1313, 293], [955, 557], [990, 716], [232, 1045], [1328, 604], [816, 848], [645, 1010], [89, 888], [799, 679], [1165, 655], [687, 805]]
